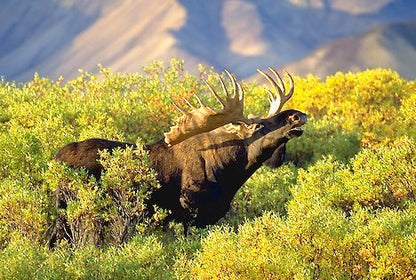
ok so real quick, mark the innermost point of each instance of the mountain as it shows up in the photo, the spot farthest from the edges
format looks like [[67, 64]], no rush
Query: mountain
[[392, 46], [57, 37]]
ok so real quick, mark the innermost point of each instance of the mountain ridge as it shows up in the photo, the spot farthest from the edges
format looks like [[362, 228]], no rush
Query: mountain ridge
[[57, 37], [392, 46]]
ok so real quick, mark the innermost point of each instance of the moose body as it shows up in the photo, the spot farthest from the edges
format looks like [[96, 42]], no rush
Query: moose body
[[200, 175]]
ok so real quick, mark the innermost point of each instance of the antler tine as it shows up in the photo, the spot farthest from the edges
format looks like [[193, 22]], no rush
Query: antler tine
[[183, 111], [234, 81], [224, 88], [202, 104], [189, 103], [276, 103], [271, 81], [241, 92], [287, 96], [292, 85], [279, 79], [217, 97]]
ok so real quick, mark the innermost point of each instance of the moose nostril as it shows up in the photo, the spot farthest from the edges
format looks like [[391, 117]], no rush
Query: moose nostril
[[295, 118]]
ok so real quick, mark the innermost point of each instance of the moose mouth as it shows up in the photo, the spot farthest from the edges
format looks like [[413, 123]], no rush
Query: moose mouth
[[295, 132]]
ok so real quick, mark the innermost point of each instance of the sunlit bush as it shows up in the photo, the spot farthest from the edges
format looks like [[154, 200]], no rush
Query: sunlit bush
[[367, 103], [343, 222], [323, 138], [128, 182], [343, 208], [140, 258]]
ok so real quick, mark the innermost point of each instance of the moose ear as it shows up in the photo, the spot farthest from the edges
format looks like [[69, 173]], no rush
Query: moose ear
[[242, 129], [257, 126], [250, 129]]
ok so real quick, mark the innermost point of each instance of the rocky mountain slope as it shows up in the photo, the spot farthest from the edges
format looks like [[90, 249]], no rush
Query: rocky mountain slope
[[57, 37], [391, 46]]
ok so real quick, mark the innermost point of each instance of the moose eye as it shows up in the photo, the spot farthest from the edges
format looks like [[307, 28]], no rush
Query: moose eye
[[258, 126]]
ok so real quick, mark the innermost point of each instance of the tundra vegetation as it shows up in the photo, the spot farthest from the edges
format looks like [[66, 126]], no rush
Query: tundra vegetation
[[342, 207]]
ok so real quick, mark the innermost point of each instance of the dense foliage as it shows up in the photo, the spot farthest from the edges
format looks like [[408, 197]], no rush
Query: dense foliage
[[343, 208]]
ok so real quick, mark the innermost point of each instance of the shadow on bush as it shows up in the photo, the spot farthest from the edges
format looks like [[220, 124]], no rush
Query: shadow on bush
[[323, 138]]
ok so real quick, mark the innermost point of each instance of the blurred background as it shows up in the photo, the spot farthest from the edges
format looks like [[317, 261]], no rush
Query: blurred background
[[321, 37]]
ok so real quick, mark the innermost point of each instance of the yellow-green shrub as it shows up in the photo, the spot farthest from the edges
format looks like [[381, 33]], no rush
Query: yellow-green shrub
[[346, 216], [140, 258], [322, 138], [343, 222], [113, 209], [367, 103], [128, 182], [86, 202], [374, 179], [22, 210], [266, 190]]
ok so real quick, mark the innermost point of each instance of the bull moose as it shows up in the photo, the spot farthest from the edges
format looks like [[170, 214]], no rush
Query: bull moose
[[204, 159]]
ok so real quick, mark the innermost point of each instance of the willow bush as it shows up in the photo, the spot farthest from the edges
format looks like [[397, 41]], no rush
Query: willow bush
[[343, 208], [345, 221]]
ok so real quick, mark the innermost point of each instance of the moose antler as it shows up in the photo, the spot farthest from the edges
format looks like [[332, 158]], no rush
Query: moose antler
[[277, 101], [204, 118]]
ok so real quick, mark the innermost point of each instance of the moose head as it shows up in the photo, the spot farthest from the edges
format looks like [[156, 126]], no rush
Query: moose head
[[263, 136], [205, 119]]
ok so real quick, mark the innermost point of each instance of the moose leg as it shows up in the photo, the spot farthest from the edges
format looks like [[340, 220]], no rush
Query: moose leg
[[190, 211], [62, 230]]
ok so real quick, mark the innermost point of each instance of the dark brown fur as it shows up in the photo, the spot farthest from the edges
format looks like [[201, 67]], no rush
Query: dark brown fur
[[199, 176], [278, 157]]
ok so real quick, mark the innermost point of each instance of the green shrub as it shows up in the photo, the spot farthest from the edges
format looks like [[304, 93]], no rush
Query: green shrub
[[112, 210], [343, 222], [140, 258], [348, 214], [375, 179], [86, 203], [322, 138], [266, 190], [367, 103], [128, 182], [22, 210], [21, 258]]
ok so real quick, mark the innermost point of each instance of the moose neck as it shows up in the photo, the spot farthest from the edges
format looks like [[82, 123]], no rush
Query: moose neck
[[260, 147]]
